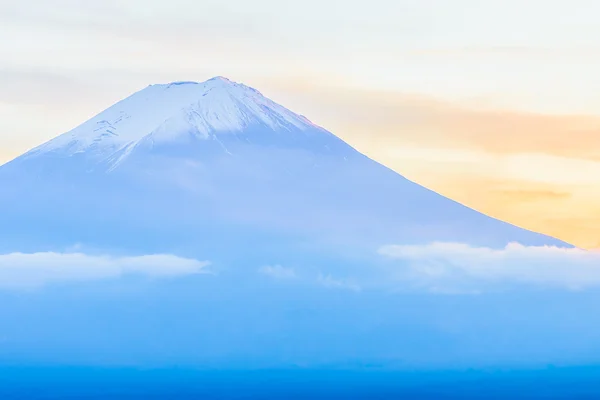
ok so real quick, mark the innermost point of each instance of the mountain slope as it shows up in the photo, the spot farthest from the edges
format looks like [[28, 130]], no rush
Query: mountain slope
[[207, 167]]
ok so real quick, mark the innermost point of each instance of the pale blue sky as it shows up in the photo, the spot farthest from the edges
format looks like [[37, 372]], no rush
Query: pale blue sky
[[533, 54]]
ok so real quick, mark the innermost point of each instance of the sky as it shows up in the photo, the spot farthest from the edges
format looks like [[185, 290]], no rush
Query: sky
[[494, 103]]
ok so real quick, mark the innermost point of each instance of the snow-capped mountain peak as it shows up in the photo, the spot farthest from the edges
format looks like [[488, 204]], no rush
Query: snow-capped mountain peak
[[164, 111]]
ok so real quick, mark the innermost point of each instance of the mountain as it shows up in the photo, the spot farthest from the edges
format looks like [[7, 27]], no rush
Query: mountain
[[205, 167], [103, 231]]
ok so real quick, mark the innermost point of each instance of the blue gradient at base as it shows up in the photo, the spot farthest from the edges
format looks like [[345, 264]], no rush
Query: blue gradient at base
[[71, 383]]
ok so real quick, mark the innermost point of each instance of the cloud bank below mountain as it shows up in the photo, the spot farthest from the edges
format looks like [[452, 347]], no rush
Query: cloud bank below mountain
[[458, 267], [445, 268], [29, 271]]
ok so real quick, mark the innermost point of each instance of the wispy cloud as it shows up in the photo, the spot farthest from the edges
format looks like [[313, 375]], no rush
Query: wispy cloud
[[523, 195], [310, 276], [457, 267], [278, 272], [329, 281], [34, 270], [403, 117]]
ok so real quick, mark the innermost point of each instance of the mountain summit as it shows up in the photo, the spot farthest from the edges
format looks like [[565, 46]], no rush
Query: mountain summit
[[174, 112], [214, 166]]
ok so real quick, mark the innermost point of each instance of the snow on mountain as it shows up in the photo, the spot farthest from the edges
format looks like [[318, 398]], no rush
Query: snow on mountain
[[164, 112], [206, 166]]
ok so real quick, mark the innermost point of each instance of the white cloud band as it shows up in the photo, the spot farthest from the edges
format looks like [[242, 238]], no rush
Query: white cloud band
[[18, 270], [459, 267]]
